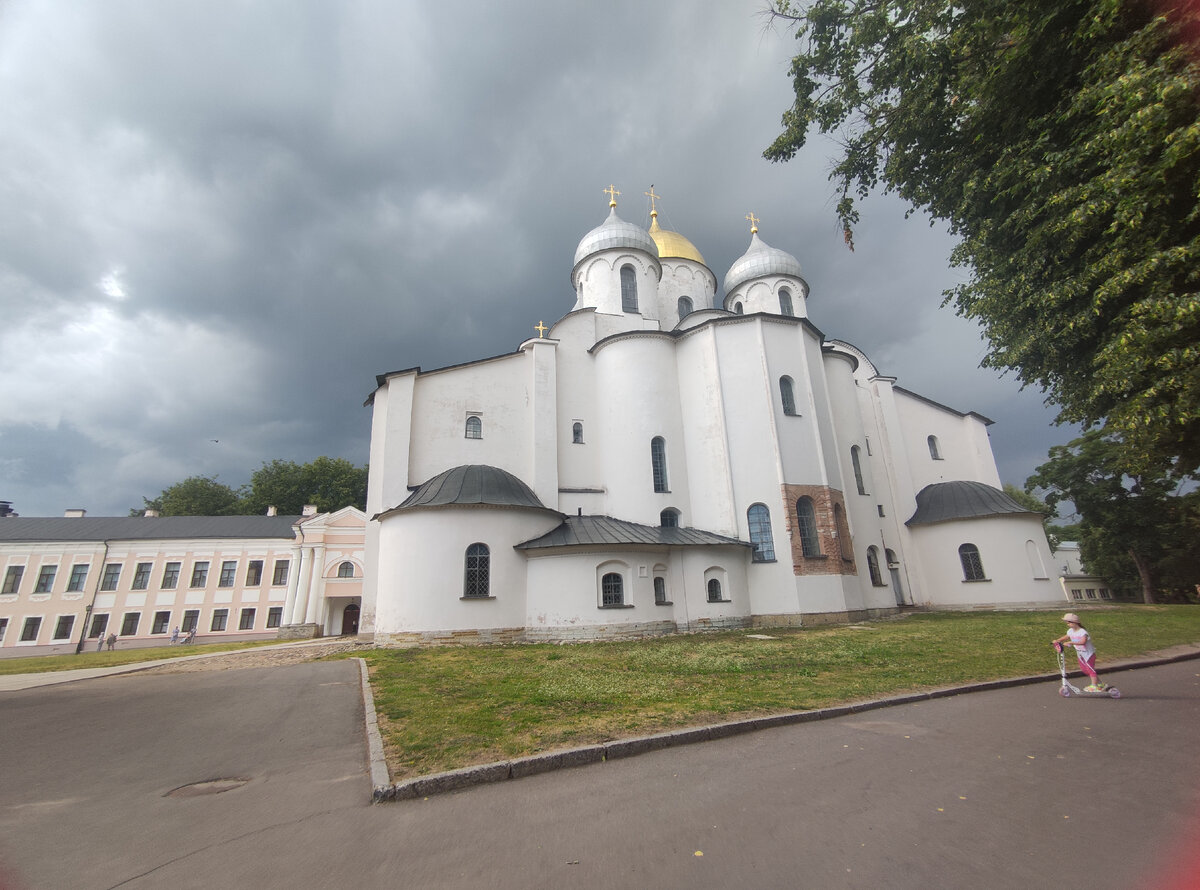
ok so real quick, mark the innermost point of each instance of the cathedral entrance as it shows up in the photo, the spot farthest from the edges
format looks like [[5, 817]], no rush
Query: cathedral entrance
[[350, 619]]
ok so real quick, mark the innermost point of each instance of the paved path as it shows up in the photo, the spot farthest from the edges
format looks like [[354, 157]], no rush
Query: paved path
[[1004, 789]]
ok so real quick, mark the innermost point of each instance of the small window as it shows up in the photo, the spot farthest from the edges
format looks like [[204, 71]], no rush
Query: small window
[[63, 627], [3, 628], [141, 576], [660, 590], [879, 509], [219, 620], [281, 573], [474, 427], [788, 395], [78, 579], [129, 624], [246, 620], [254, 572], [477, 571], [806, 525], [274, 616], [935, 450], [170, 576], [669, 518], [714, 590], [658, 463], [346, 569], [30, 630], [199, 574], [685, 307], [612, 590], [873, 566], [972, 565], [228, 573], [759, 519], [629, 294], [45, 581], [785, 302], [737, 308], [577, 433], [12, 579], [858, 476], [161, 622], [845, 545], [191, 618], [112, 574]]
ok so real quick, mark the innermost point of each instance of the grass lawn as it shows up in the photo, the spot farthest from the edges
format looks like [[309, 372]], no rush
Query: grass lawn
[[90, 658], [443, 708]]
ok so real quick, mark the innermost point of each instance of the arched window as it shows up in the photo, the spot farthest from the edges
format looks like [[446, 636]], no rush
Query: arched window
[[660, 590], [972, 565], [873, 566], [934, 451], [612, 590], [669, 518], [785, 301], [477, 571], [346, 570], [658, 462], [845, 545], [474, 427], [858, 477], [714, 590], [759, 519], [806, 525], [629, 298], [685, 307], [737, 308], [788, 395], [577, 433]]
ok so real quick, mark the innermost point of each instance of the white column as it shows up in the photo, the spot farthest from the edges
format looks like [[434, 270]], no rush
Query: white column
[[289, 604], [316, 584], [304, 570]]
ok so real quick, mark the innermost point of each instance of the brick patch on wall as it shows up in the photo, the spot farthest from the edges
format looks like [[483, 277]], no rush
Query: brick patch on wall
[[831, 561]]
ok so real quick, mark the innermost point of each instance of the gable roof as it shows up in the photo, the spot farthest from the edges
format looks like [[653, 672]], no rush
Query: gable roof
[[143, 528], [601, 531]]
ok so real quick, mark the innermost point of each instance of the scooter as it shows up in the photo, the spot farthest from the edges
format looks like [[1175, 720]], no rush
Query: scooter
[[1067, 688]]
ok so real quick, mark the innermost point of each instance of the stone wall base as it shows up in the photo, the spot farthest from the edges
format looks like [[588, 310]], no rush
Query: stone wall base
[[299, 632]]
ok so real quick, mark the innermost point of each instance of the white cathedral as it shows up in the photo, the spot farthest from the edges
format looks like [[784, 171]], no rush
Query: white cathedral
[[662, 460]]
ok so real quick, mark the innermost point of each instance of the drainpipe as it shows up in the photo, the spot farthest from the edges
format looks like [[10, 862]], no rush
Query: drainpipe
[[87, 610]]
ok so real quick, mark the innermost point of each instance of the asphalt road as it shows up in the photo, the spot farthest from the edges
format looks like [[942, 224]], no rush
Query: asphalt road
[[1014, 788]]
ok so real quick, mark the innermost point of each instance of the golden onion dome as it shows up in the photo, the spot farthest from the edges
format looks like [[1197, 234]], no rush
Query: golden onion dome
[[671, 244]]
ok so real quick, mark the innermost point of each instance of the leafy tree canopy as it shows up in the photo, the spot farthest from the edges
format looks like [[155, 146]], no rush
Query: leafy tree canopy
[[196, 496], [1059, 139]]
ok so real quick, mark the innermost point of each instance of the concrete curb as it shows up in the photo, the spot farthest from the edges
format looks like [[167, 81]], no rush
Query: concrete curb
[[378, 763], [440, 783]]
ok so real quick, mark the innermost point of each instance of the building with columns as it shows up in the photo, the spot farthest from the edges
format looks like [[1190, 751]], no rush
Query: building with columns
[[667, 457]]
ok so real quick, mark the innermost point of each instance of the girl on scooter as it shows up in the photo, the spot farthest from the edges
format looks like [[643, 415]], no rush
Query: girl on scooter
[[1078, 637]]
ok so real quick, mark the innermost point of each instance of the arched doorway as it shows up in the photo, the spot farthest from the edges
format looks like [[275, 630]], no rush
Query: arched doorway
[[893, 565], [350, 619]]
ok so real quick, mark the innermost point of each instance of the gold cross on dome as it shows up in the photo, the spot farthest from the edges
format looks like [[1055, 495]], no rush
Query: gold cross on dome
[[653, 197], [754, 221], [612, 193], [541, 329]]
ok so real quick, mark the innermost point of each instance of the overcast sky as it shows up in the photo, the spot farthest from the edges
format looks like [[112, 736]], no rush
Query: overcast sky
[[220, 220]]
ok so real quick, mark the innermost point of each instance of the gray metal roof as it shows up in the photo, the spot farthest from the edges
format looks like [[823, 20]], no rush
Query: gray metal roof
[[473, 484], [946, 501], [599, 531], [141, 528]]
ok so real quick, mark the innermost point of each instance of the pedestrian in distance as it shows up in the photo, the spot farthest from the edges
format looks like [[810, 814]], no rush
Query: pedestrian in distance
[[112, 642], [1078, 637], [175, 635], [100, 643], [191, 637]]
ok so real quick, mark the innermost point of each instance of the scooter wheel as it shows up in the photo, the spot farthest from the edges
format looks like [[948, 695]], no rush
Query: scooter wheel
[[1064, 691], [1114, 692]]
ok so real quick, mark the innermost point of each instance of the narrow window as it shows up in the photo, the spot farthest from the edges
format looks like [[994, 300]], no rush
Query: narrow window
[[737, 308], [62, 629], [669, 518], [78, 578], [274, 616], [972, 565], [714, 590], [141, 575], [219, 620], [228, 573], [629, 295], [281, 573], [685, 307], [170, 576], [161, 621], [129, 624], [190, 619], [45, 579], [658, 463], [612, 590], [246, 621], [346, 569], [660, 590], [759, 518], [474, 427], [577, 433], [785, 301], [254, 573], [806, 525], [873, 566], [787, 394], [858, 476], [199, 574], [3, 628], [112, 574], [12, 579], [477, 571], [99, 626], [934, 451], [845, 545], [29, 632]]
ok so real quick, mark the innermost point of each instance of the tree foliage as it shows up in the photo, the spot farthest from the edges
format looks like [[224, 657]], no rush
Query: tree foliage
[[1137, 530], [196, 496], [1059, 140]]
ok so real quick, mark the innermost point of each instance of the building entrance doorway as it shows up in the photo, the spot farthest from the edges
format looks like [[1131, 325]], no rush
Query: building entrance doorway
[[350, 619]]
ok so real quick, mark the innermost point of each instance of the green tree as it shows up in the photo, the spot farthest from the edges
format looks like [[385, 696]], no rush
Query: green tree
[[1034, 504], [328, 482], [1059, 140], [196, 496], [1134, 526]]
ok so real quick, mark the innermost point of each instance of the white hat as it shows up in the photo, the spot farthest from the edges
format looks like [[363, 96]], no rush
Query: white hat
[[1071, 618]]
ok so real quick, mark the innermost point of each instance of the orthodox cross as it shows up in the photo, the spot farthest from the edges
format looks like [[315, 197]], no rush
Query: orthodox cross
[[612, 193], [754, 221], [653, 197], [541, 329]]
